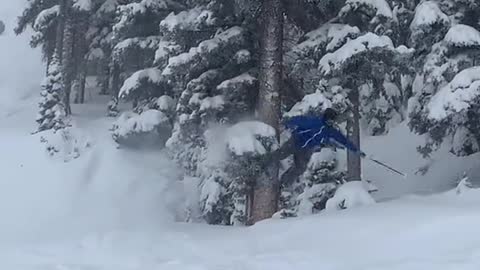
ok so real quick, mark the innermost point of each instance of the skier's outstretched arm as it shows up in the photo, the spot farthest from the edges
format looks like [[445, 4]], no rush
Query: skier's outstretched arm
[[337, 136]]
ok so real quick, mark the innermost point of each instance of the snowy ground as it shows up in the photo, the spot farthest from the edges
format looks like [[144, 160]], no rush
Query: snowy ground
[[115, 209]]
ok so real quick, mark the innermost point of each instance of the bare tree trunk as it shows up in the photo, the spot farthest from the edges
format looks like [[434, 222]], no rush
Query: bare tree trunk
[[82, 49], [353, 128], [83, 82], [266, 190], [68, 56], [105, 80], [115, 77], [60, 30]]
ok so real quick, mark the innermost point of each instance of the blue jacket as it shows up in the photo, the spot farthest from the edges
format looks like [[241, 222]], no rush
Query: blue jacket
[[310, 132]]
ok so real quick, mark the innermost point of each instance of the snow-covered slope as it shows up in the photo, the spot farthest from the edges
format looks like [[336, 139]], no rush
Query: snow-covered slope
[[115, 209], [398, 148]]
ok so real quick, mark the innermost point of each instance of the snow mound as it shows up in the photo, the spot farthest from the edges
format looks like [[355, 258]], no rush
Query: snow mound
[[350, 194], [334, 60], [134, 129], [65, 144], [381, 7], [246, 137], [456, 95], [426, 14], [461, 35]]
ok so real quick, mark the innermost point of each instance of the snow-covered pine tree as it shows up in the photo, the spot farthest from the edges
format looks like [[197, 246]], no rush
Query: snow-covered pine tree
[[445, 104], [310, 192], [247, 144], [137, 38], [215, 84], [361, 38], [380, 98], [48, 20], [52, 111], [42, 17]]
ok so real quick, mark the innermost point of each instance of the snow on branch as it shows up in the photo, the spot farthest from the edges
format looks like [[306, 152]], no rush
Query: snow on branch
[[228, 36], [381, 7], [164, 50], [461, 35], [45, 17], [82, 5], [339, 33], [128, 11], [456, 95], [242, 79], [333, 61], [188, 20], [151, 42], [246, 137], [132, 83], [310, 103], [426, 14]]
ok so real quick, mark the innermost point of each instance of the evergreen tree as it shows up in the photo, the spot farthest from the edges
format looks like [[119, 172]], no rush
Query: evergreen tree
[[52, 111], [442, 107], [310, 192], [214, 83], [362, 75], [43, 17]]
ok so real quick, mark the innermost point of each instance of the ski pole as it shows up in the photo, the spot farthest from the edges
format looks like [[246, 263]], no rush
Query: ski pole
[[387, 166]]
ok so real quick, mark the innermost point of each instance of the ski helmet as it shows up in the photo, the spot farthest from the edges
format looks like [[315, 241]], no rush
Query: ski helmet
[[330, 114]]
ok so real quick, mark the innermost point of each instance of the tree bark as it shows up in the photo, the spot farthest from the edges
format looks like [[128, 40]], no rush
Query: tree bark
[[115, 77], [354, 171], [266, 190], [105, 76], [81, 51], [60, 30], [68, 56]]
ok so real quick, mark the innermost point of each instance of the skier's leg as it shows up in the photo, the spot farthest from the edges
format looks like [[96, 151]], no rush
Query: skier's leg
[[285, 150], [301, 159]]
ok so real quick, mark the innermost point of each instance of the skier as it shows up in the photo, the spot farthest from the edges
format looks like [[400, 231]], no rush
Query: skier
[[309, 134]]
